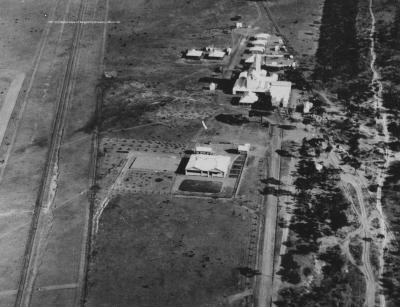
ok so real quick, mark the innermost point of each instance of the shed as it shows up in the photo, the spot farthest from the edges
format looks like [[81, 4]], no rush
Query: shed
[[257, 50], [204, 150], [194, 54], [262, 36], [248, 98], [216, 54], [245, 148]]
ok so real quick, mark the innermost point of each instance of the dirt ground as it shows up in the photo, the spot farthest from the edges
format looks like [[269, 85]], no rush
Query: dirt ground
[[300, 27], [39, 49], [167, 252]]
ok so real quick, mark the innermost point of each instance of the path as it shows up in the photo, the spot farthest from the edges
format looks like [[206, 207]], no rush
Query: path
[[377, 88], [265, 283]]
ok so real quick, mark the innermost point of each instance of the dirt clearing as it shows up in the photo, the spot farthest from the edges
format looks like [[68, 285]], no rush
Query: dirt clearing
[[161, 251]]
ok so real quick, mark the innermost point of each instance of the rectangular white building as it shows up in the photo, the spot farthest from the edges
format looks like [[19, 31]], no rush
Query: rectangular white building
[[280, 93], [208, 165]]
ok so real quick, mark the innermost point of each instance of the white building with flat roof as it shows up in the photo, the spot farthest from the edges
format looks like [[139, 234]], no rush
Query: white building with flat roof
[[194, 54], [280, 93], [208, 165], [216, 54]]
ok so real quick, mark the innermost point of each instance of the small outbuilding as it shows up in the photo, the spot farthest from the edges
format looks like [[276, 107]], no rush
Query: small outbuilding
[[245, 148], [257, 50], [248, 99], [204, 150], [208, 165], [216, 54], [194, 54], [262, 36]]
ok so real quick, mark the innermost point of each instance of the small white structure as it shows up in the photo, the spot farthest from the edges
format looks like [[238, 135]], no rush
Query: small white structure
[[307, 107], [203, 150], [262, 36], [239, 25], [280, 93], [279, 62], [228, 51], [257, 50], [318, 166], [248, 98], [213, 86], [216, 54], [245, 148], [208, 166], [194, 54]]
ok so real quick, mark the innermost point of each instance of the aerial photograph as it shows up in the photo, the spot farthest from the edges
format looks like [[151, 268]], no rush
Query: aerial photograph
[[199, 153]]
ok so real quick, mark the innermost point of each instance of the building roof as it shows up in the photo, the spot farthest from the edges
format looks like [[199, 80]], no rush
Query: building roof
[[214, 53], [280, 92], [209, 163], [244, 147], [281, 84], [257, 49], [263, 36], [248, 98], [194, 53], [203, 148]]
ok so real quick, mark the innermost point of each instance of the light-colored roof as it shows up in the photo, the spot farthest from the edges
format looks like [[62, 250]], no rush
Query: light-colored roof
[[264, 36], [257, 49], [281, 83], [209, 163], [245, 147], [280, 92], [249, 97], [203, 148], [250, 59], [194, 53], [216, 54]]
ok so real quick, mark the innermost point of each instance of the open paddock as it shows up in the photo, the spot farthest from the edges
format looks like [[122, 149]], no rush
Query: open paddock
[[157, 250]]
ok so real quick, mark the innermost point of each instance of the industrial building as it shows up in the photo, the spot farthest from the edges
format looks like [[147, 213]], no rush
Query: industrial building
[[208, 165]]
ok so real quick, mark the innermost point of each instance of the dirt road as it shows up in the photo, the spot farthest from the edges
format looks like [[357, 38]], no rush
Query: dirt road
[[265, 282]]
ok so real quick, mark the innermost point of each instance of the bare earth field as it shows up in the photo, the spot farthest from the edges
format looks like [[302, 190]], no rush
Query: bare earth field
[[162, 251]]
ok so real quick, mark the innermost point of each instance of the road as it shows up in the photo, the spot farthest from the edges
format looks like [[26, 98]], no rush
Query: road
[[389, 157], [360, 210], [266, 267]]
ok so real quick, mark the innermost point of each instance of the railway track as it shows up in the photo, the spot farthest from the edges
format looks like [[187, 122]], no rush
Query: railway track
[[41, 213], [92, 175]]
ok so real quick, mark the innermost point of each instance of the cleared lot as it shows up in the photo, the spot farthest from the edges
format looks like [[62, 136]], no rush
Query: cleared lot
[[161, 251]]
